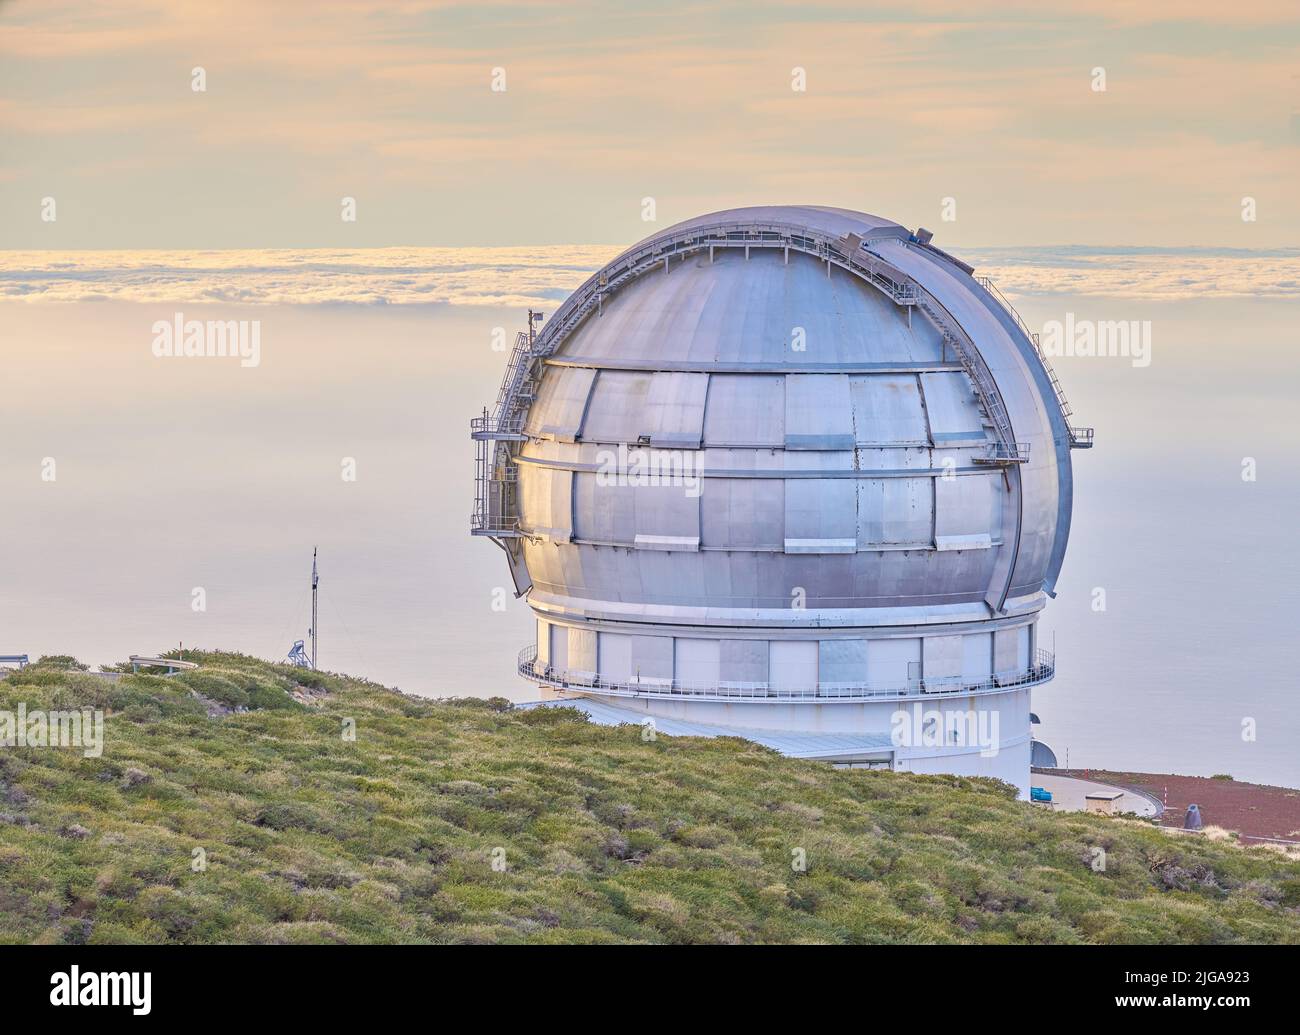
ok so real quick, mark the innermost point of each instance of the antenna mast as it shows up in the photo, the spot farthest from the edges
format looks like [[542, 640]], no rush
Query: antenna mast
[[315, 581]]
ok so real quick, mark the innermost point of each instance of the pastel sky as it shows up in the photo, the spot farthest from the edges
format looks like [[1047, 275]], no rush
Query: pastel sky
[[606, 104]]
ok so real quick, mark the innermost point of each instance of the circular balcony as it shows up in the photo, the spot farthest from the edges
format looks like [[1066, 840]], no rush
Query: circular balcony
[[1041, 670]]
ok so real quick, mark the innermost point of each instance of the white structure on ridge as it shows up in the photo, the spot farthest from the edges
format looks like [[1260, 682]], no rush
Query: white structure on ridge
[[790, 473]]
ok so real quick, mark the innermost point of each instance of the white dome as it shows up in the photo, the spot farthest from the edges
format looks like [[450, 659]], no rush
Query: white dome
[[765, 446]]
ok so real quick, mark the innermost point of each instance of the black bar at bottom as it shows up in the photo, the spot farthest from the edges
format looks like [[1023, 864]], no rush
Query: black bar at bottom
[[338, 984]]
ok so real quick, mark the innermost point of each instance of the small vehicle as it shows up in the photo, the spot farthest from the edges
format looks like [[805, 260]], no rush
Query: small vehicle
[[1039, 794]]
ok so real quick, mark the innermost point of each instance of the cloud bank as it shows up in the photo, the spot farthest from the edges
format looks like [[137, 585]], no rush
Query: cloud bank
[[542, 276]]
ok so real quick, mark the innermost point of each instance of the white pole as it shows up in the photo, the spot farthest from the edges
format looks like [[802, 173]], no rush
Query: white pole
[[314, 581]]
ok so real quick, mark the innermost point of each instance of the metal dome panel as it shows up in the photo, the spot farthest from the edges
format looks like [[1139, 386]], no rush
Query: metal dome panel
[[867, 467]]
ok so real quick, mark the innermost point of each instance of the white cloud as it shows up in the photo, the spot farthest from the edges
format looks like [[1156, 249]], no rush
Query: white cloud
[[545, 275], [392, 276]]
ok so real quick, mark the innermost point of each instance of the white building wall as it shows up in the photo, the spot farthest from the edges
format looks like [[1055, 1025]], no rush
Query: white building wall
[[615, 657], [697, 661], [543, 643], [977, 657], [842, 661], [558, 637], [942, 659], [1010, 765], [744, 661], [893, 662], [652, 659], [998, 722], [1010, 650], [997, 725], [582, 653], [792, 664], [880, 662]]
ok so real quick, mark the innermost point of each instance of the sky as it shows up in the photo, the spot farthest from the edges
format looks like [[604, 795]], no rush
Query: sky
[[996, 107], [127, 196]]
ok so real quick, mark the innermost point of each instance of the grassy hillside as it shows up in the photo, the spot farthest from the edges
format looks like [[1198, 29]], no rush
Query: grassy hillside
[[310, 837]]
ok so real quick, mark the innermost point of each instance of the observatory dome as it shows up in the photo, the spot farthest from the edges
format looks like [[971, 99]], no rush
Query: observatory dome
[[785, 468]]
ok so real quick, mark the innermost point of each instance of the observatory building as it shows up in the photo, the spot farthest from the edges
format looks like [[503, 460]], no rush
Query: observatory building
[[793, 474]]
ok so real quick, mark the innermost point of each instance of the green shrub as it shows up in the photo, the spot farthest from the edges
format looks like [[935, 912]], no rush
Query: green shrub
[[471, 821], [61, 662]]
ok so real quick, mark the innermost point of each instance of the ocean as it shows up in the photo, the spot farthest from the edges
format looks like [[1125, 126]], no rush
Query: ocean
[[152, 501]]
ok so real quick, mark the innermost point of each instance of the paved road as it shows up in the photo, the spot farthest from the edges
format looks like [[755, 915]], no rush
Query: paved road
[[1068, 794]]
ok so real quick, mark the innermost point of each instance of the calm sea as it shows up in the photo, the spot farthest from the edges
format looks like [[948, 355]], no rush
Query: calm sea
[[178, 476]]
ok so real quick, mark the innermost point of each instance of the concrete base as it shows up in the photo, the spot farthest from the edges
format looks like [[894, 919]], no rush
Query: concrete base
[[1070, 795], [984, 735]]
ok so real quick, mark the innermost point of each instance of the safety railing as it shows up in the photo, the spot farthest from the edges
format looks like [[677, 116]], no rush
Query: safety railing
[[987, 284], [515, 380], [1080, 438], [483, 523], [488, 427], [495, 507], [660, 250], [997, 453], [496, 477], [1041, 669], [986, 388]]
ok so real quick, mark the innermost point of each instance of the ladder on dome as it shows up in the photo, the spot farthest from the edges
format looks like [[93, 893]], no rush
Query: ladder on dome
[[1005, 450], [496, 436], [1080, 438]]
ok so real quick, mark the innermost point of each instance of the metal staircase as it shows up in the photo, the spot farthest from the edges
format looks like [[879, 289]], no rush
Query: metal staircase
[[1080, 438], [496, 478], [1005, 449]]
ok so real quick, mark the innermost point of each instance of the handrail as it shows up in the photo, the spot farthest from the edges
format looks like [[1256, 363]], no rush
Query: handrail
[[973, 363], [515, 375], [483, 522], [1003, 453], [987, 284], [665, 246], [1080, 438], [1041, 669], [488, 426]]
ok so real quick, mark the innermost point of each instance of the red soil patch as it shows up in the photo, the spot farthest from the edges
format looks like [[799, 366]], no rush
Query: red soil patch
[[1251, 809]]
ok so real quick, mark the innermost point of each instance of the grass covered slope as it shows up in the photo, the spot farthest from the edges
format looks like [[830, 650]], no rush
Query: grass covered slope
[[311, 837]]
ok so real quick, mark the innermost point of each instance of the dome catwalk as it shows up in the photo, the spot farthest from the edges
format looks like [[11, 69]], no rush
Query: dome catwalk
[[790, 473]]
